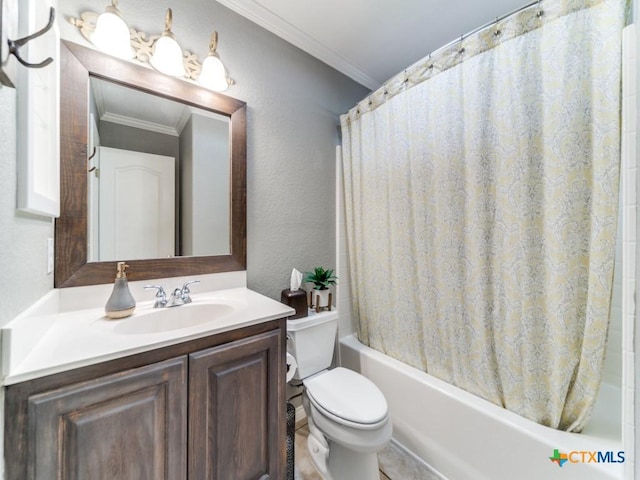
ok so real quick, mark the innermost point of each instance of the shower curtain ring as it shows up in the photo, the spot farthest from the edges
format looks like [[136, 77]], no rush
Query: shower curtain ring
[[430, 66], [461, 47], [540, 11]]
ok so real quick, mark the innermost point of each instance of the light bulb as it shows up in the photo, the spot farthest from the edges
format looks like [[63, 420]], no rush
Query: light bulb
[[111, 34]]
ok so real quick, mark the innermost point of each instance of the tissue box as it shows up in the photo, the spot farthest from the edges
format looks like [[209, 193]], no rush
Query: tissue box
[[296, 300]]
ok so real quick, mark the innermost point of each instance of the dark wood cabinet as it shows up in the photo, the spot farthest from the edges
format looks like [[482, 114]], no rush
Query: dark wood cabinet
[[120, 427], [211, 408], [234, 411]]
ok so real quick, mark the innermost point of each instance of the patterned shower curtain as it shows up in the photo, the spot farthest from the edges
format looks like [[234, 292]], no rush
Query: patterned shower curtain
[[481, 203]]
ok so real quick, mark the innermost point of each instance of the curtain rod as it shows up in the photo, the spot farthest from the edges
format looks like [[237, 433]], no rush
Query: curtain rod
[[482, 27]]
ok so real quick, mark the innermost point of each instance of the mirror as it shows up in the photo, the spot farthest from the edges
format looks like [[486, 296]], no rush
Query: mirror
[[160, 175], [220, 245]]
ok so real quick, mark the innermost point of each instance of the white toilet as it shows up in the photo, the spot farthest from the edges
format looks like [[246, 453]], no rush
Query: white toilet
[[347, 414]]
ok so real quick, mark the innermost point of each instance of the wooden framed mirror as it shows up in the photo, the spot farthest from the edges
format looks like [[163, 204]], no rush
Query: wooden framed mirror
[[79, 65]]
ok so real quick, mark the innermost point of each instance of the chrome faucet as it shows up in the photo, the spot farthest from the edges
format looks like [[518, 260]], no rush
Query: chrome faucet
[[179, 296]]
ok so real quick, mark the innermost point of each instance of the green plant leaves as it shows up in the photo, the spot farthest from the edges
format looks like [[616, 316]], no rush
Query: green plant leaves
[[321, 278]]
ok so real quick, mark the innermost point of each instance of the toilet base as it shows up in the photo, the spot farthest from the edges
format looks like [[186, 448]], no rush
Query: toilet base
[[336, 462], [346, 463], [343, 463]]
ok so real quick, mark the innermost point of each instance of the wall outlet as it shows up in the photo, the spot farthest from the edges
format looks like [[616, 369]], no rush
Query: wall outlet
[[50, 255]]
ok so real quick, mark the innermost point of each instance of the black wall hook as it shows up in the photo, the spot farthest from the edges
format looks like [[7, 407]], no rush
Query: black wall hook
[[14, 45]]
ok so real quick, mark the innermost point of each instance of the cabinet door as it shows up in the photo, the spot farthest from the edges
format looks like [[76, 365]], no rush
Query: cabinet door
[[130, 425], [236, 410]]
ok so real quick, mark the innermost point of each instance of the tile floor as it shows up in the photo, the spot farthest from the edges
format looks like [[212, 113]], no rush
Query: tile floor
[[394, 463]]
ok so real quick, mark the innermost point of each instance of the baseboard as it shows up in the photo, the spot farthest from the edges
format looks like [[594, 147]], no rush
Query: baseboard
[[301, 417]]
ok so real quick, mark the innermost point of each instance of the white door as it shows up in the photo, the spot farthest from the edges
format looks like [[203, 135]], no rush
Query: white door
[[137, 203]]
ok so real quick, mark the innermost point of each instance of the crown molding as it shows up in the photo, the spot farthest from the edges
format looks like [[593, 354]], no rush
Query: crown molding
[[136, 123], [283, 29]]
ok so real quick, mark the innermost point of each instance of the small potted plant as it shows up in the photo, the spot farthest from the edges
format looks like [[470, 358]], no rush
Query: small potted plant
[[322, 279]]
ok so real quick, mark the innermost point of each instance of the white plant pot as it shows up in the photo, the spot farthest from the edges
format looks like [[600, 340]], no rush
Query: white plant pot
[[323, 298]]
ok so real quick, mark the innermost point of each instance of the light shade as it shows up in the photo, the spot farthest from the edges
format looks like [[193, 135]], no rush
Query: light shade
[[111, 34], [167, 56], [213, 74]]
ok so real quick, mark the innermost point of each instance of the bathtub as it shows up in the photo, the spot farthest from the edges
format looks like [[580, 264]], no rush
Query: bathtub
[[463, 437]]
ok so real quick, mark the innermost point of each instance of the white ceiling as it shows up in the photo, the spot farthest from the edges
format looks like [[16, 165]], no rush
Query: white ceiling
[[371, 40]]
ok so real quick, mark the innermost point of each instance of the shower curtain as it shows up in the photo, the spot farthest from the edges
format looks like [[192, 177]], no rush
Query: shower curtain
[[481, 203]]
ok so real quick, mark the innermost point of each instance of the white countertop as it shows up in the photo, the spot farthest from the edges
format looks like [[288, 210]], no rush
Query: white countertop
[[77, 338]]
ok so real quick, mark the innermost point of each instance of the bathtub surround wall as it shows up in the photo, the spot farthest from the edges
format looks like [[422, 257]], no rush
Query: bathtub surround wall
[[628, 242]]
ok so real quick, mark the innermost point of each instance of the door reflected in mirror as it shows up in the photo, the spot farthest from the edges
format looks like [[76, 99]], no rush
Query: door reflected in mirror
[[160, 177]]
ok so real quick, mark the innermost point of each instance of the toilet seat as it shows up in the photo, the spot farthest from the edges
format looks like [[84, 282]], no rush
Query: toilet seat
[[347, 398]]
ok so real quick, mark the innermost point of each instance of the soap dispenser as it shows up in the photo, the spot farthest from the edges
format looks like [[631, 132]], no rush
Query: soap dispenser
[[121, 303]]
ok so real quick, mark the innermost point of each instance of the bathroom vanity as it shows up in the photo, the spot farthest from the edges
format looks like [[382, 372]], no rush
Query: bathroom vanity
[[206, 400]]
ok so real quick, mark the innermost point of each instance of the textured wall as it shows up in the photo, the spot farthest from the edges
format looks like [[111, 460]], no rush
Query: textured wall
[[293, 105], [23, 237]]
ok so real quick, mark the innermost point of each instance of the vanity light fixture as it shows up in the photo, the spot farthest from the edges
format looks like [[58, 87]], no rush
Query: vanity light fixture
[[167, 54], [162, 52], [213, 74], [111, 34]]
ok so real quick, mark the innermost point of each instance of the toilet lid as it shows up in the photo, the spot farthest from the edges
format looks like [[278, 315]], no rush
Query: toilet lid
[[347, 395]]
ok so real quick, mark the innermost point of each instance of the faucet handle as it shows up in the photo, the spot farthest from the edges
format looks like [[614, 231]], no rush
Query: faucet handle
[[185, 290], [185, 287], [161, 295]]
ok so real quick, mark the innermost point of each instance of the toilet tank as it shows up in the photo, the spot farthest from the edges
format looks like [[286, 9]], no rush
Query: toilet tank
[[311, 341]]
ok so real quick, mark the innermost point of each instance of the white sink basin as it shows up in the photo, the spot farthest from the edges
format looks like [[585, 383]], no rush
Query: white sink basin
[[173, 318]]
